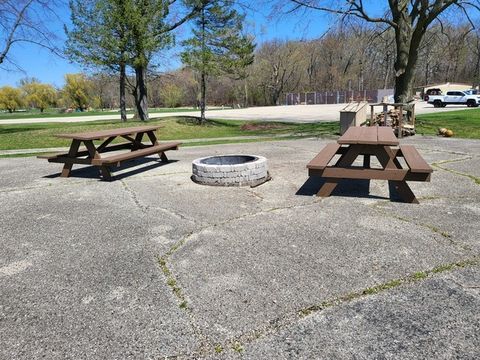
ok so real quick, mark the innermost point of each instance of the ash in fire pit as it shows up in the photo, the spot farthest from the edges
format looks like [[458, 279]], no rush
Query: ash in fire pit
[[230, 170]]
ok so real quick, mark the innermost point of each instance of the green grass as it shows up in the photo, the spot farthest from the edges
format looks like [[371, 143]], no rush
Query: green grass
[[42, 135], [55, 113], [463, 123]]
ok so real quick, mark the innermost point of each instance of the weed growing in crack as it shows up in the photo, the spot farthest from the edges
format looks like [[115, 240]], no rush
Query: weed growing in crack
[[419, 275], [475, 179], [237, 347], [218, 348], [183, 305], [382, 287]]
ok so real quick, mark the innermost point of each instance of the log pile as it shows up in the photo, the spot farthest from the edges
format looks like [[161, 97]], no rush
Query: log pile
[[393, 120]]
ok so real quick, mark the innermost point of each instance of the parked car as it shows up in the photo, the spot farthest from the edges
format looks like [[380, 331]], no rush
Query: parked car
[[454, 98]]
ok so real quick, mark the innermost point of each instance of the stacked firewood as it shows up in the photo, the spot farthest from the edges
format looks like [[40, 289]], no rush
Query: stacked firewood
[[393, 120], [393, 117]]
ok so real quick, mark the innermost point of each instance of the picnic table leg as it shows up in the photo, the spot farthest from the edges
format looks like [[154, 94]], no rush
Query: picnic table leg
[[402, 188], [106, 174], [345, 160], [93, 153], [138, 141], [67, 167], [327, 188], [366, 161], [153, 139]]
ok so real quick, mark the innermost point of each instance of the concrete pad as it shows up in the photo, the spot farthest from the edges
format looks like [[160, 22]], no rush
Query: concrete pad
[[80, 279], [243, 274], [79, 270], [453, 145], [468, 167], [437, 319], [457, 219]]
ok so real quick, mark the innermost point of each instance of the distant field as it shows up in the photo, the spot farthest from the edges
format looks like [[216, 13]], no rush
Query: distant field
[[52, 113], [464, 124], [30, 136]]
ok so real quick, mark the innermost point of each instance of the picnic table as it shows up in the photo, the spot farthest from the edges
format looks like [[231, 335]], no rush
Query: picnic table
[[93, 154], [367, 141]]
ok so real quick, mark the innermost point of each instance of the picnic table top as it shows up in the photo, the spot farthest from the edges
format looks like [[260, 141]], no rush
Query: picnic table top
[[373, 135], [94, 135]]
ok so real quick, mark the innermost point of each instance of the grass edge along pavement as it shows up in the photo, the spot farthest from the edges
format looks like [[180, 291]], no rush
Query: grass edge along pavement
[[41, 135], [465, 124], [56, 113]]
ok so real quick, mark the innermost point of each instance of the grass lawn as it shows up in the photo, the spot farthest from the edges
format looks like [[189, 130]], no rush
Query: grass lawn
[[30, 136], [463, 123], [53, 113]]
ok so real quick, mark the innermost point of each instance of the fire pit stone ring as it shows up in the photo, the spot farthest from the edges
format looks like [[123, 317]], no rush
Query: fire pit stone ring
[[230, 170]]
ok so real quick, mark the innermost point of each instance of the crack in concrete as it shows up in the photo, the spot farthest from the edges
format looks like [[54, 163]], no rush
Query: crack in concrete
[[292, 318], [432, 228], [437, 164], [444, 151], [41, 186], [133, 195], [206, 344], [163, 174], [145, 208]]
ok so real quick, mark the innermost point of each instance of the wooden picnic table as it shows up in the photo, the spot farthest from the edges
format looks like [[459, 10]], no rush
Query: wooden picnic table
[[93, 154], [367, 141]]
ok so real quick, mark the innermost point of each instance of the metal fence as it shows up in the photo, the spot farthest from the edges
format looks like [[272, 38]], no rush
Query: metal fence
[[332, 97]]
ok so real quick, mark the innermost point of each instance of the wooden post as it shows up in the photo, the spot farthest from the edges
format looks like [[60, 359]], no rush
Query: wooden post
[[372, 114], [400, 122], [385, 111]]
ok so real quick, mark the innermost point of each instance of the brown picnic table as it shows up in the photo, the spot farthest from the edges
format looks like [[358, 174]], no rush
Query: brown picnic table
[[94, 154], [367, 141]]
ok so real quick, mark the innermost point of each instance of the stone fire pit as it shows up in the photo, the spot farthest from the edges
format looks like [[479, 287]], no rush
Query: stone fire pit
[[230, 170]]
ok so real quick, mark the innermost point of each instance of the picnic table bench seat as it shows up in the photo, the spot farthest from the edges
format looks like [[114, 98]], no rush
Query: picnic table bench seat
[[367, 142], [92, 154], [118, 158], [414, 160], [321, 161]]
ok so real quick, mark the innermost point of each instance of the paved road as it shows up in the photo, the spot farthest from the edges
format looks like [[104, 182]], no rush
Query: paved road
[[296, 113]]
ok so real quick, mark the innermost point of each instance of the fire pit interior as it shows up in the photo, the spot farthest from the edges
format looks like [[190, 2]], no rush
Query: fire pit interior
[[230, 170]]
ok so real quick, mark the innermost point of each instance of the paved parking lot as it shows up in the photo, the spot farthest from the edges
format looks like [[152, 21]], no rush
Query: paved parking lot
[[154, 266], [293, 113]]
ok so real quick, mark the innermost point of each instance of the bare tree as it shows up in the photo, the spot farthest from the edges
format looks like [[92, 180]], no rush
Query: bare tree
[[278, 69], [409, 19], [24, 21]]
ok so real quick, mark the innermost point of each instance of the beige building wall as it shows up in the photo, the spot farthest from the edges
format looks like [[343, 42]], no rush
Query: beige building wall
[[449, 87]]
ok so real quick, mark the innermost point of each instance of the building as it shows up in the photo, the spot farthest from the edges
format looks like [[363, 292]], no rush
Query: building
[[446, 87]]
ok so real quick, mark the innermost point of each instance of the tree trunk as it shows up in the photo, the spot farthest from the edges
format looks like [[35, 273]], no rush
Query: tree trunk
[[246, 94], [406, 59], [203, 85], [140, 93], [203, 88], [123, 107]]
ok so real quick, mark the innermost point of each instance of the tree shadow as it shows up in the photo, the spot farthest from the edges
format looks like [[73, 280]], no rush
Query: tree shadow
[[4, 131], [93, 172]]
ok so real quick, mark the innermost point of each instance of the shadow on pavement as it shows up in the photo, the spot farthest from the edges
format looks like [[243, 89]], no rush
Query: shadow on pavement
[[346, 187], [127, 169]]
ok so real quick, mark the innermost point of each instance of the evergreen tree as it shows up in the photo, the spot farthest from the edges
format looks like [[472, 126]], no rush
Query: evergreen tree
[[152, 27], [101, 37], [217, 45]]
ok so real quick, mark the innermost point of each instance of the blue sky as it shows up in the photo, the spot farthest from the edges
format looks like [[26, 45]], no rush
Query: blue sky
[[41, 64]]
